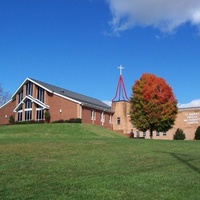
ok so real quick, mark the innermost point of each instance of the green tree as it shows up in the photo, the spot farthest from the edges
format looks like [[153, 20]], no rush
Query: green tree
[[179, 135], [153, 105], [197, 134]]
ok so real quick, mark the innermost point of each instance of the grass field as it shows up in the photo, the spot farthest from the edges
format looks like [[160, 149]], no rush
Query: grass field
[[79, 161]]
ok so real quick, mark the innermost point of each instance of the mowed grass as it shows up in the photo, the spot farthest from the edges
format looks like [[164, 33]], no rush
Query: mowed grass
[[79, 161]]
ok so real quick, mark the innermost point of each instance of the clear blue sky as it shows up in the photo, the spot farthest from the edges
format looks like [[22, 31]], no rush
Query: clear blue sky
[[78, 44]]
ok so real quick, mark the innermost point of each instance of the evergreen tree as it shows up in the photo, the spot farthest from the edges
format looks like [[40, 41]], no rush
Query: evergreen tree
[[197, 134], [179, 135]]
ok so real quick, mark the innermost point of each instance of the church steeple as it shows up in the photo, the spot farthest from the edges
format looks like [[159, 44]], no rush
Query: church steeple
[[120, 94]]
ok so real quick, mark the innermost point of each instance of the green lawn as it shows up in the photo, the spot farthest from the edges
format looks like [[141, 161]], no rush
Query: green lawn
[[79, 161]]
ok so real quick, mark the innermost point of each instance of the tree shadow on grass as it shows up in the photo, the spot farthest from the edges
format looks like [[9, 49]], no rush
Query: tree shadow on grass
[[183, 159]]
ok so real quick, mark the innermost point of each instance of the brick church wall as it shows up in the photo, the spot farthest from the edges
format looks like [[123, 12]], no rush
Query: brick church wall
[[61, 108], [6, 111]]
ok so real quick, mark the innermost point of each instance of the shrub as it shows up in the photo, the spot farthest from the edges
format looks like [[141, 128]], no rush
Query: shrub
[[23, 122], [59, 121], [47, 116], [74, 120], [179, 135], [11, 120], [197, 134], [71, 120]]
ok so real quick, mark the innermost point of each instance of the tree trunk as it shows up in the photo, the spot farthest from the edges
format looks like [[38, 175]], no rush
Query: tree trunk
[[151, 133]]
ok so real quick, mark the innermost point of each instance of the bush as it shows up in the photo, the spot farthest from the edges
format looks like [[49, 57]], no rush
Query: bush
[[47, 116], [59, 121], [197, 134], [23, 122], [179, 135], [11, 120], [71, 120], [74, 120]]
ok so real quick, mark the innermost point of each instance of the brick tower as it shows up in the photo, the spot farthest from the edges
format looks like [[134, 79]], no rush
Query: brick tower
[[121, 107]]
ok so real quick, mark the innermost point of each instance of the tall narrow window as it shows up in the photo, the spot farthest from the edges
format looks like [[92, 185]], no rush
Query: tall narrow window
[[39, 113], [28, 104], [110, 119], [102, 117], [137, 133], [118, 121], [28, 115], [93, 115], [29, 88], [19, 116], [20, 96], [40, 94], [28, 110]]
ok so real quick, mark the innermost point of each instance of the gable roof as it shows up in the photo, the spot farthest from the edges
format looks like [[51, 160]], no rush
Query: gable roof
[[70, 95]]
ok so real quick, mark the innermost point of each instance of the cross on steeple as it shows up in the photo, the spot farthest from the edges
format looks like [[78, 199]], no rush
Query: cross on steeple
[[121, 90], [121, 68]]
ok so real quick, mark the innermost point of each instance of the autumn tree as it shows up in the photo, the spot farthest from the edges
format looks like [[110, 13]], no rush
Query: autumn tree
[[153, 105], [4, 96]]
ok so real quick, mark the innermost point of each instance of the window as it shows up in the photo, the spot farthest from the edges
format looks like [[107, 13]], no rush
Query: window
[[39, 114], [164, 134], [157, 133], [19, 116], [118, 120], [20, 96], [102, 117], [28, 110], [29, 88], [93, 115], [144, 134], [40, 94], [28, 104], [110, 119], [137, 133], [28, 115]]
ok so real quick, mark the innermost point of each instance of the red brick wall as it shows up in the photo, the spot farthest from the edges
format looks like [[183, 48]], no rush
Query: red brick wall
[[61, 108], [6, 111], [86, 117]]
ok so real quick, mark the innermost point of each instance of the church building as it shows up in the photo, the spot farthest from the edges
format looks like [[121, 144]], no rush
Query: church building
[[188, 119], [33, 98]]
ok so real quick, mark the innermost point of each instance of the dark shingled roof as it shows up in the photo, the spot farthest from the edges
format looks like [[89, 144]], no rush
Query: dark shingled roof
[[85, 100]]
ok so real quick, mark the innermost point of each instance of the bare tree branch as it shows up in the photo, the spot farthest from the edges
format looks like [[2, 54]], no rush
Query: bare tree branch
[[4, 96]]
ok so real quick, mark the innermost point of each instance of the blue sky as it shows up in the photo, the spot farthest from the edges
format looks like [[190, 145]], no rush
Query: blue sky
[[78, 44]]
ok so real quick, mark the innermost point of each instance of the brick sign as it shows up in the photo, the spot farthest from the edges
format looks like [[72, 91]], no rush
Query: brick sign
[[192, 118]]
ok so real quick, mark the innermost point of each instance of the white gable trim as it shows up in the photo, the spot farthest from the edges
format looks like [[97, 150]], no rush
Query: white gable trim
[[5, 103], [44, 106], [28, 79]]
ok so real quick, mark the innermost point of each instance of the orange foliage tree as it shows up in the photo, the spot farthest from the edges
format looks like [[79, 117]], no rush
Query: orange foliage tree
[[153, 105]]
